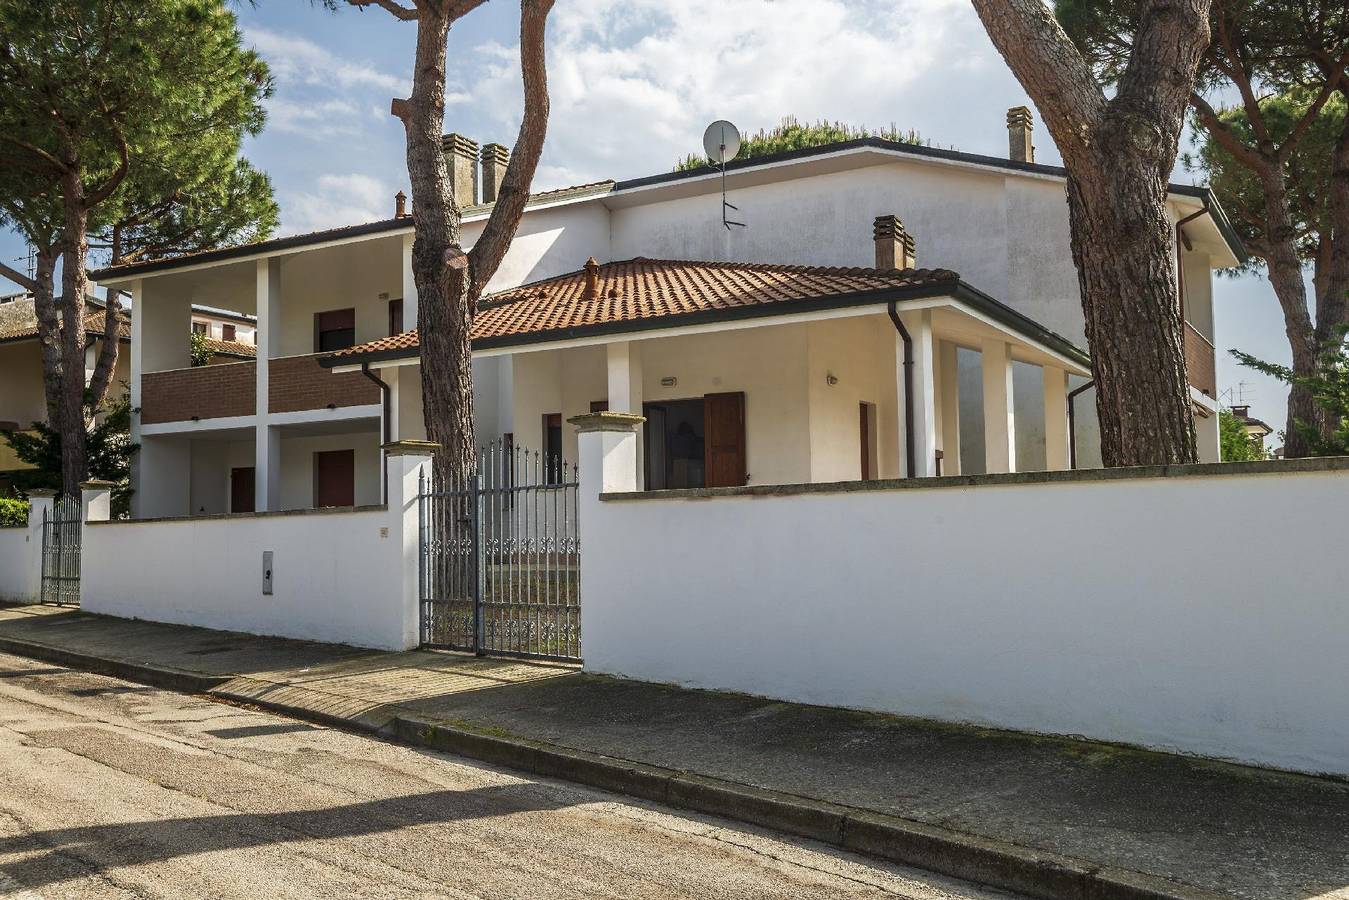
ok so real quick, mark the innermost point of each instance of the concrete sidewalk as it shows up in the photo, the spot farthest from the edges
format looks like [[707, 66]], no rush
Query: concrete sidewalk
[[1045, 816]]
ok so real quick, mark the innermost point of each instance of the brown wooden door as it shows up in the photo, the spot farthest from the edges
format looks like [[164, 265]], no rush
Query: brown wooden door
[[724, 439], [242, 482], [335, 478]]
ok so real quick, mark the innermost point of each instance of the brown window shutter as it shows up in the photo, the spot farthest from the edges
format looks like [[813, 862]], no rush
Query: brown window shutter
[[228, 332], [724, 441], [395, 317]]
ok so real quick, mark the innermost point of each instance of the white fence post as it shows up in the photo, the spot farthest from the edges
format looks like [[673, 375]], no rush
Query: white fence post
[[96, 500], [406, 460], [27, 586], [607, 451]]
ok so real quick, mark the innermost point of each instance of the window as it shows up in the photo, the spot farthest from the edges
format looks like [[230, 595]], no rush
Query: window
[[335, 478], [395, 317], [599, 406], [200, 328], [334, 330], [552, 447], [228, 332], [698, 442]]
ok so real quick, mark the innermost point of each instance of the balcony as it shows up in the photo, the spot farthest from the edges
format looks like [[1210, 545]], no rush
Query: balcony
[[204, 392], [1200, 363], [297, 383]]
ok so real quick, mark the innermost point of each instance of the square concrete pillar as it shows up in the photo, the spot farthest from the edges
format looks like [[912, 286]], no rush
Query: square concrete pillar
[[924, 377], [999, 413], [96, 500], [267, 441], [625, 389], [948, 401], [1056, 418], [407, 471], [409, 285]]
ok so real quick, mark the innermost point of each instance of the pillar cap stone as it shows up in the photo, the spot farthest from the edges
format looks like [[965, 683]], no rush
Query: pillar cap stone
[[410, 448], [42, 492], [96, 484], [606, 421]]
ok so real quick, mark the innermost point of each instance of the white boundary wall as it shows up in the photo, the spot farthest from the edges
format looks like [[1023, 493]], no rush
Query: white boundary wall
[[21, 556], [1150, 610], [343, 576]]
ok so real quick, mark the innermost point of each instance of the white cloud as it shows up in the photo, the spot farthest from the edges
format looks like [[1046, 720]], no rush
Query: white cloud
[[633, 82], [337, 200], [320, 120], [295, 59]]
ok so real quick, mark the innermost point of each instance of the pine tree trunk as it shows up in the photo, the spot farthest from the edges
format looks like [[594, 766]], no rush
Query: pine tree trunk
[[1118, 152], [1133, 324], [49, 335], [73, 285]]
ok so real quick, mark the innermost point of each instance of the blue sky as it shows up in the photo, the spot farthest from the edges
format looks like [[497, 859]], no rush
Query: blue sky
[[633, 83]]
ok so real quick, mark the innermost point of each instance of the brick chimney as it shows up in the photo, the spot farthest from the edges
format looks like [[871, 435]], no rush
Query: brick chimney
[[592, 289], [1019, 128], [494, 160], [400, 202], [461, 158], [894, 245]]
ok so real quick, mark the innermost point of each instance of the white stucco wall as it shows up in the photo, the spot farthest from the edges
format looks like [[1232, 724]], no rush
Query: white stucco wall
[[20, 564], [22, 398], [860, 354], [1082, 607], [297, 466], [338, 278]]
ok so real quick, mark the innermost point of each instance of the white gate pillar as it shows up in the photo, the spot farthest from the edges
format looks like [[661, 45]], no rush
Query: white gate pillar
[[607, 451], [406, 463], [96, 500], [41, 506]]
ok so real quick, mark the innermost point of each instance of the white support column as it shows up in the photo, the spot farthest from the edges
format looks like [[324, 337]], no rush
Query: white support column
[[999, 412], [919, 325], [625, 388], [1056, 418], [948, 390], [409, 285], [407, 462], [137, 350], [267, 440]]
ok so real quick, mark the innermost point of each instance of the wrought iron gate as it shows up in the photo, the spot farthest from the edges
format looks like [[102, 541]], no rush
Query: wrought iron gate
[[500, 558], [61, 552]]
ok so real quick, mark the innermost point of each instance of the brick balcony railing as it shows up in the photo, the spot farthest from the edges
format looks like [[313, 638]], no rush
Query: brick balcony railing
[[1199, 361], [297, 383], [206, 392]]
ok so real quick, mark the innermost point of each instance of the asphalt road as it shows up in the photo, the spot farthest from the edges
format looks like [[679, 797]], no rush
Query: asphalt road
[[112, 789]]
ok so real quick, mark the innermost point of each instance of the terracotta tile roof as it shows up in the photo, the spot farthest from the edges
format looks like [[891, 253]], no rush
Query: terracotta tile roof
[[21, 323], [636, 291], [231, 348]]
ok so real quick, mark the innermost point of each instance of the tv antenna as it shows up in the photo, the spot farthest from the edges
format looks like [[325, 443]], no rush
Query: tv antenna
[[721, 140]]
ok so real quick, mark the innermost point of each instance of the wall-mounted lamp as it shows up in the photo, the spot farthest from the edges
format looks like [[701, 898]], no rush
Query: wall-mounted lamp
[[669, 381], [830, 379]]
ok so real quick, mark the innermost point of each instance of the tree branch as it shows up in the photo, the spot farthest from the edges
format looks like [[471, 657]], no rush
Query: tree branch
[[1227, 136], [115, 179], [491, 246], [18, 278], [402, 13], [107, 354], [1313, 111], [54, 165], [1049, 67]]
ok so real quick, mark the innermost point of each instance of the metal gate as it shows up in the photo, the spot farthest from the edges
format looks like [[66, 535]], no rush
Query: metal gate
[[500, 564], [61, 552]]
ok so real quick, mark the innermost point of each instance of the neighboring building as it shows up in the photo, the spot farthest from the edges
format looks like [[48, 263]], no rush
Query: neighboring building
[[778, 335], [23, 400], [1256, 430], [226, 328]]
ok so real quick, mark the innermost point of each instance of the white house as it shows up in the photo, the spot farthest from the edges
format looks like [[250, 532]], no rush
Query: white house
[[776, 349]]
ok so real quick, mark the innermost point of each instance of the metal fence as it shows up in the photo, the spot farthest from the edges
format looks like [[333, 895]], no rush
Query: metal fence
[[500, 564], [61, 529]]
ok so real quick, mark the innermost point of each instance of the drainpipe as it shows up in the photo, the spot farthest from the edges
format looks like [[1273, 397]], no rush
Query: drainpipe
[[385, 393], [908, 389], [1072, 424]]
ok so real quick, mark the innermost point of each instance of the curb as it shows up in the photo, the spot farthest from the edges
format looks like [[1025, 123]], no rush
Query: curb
[[986, 861], [998, 864]]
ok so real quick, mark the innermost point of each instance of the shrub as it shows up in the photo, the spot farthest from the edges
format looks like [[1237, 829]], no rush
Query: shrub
[[13, 512]]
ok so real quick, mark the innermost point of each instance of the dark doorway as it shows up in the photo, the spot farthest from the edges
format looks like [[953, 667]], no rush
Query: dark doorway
[[675, 444], [335, 478], [242, 489]]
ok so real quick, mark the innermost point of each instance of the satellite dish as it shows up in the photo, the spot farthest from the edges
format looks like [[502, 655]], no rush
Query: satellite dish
[[721, 140]]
